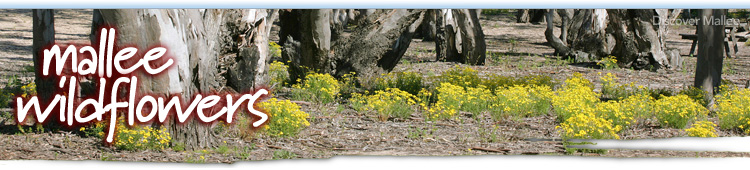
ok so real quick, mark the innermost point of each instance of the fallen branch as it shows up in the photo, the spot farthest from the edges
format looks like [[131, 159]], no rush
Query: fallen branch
[[301, 102], [501, 150]]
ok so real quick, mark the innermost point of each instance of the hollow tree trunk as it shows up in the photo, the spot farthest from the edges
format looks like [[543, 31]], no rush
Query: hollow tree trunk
[[375, 46], [44, 34], [195, 39], [461, 37], [710, 53]]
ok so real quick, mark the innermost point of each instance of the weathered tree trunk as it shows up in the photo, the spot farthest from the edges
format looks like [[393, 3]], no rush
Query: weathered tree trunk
[[195, 39], [428, 28], [630, 35], [461, 36], [306, 37], [44, 34], [378, 43], [710, 53], [252, 27]]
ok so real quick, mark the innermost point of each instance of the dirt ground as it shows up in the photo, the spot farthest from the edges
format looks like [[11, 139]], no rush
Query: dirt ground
[[518, 49]]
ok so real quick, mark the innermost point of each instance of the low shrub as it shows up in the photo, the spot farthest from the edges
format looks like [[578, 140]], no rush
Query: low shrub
[[616, 91], [391, 102], [614, 112], [608, 63], [575, 96], [476, 100], [461, 76], [278, 73], [696, 94], [677, 111], [638, 105], [286, 118], [141, 137], [521, 101], [317, 87], [93, 130], [703, 129], [275, 49], [449, 100], [733, 108], [587, 125], [405, 81], [494, 82]]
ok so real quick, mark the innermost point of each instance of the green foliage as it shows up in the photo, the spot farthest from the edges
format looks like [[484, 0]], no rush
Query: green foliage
[[696, 94], [15, 87], [283, 154], [405, 81], [461, 76], [660, 93], [494, 82], [179, 147], [94, 130], [286, 118], [317, 87], [278, 73], [275, 49], [608, 63], [616, 91]]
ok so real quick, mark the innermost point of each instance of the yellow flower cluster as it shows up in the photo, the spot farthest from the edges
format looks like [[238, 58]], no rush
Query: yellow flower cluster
[[703, 129], [28, 90], [461, 76], [286, 118], [677, 111], [141, 137], [522, 101], [96, 130], [733, 108], [317, 87], [274, 48], [617, 91], [278, 73], [449, 101], [588, 125], [584, 116], [391, 102], [609, 62], [576, 96]]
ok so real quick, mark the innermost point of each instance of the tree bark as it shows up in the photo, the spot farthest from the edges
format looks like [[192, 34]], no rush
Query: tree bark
[[44, 35], [195, 39], [252, 27], [306, 37], [461, 36], [710, 53], [428, 28], [530, 15]]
